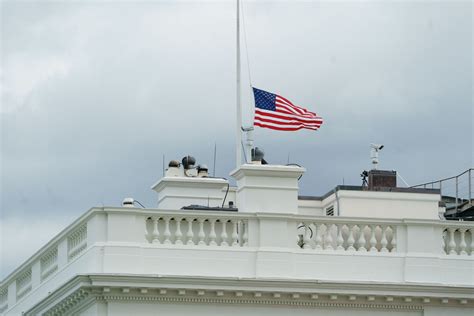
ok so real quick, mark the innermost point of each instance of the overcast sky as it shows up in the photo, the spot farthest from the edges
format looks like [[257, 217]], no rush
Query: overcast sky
[[94, 93]]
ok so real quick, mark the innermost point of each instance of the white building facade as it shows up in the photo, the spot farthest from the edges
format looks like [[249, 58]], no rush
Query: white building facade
[[353, 251]]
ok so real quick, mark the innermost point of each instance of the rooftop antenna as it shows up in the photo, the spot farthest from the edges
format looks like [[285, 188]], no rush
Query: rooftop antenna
[[238, 142], [374, 154], [214, 165]]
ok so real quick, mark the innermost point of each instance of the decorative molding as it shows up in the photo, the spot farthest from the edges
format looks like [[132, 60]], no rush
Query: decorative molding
[[72, 301], [267, 187], [254, 301], [3, 308], [83, 290]]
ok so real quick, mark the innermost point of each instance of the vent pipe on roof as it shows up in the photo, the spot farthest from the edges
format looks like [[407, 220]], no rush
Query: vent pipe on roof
[[203, 171], [128, 202]]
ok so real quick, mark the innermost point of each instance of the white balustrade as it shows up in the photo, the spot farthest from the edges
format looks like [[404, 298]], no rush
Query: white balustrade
[[178, 234], [23, 284], [328, 238], [245, 230], [49, 263], [373, 241], [77, 242], [340, 239], [457, 241], [394, 238], [155, 234], [224, 235], [362, 240], [212, 234], [384, 241], [235, 235], [201, 233], [199, 230], [190, 233], [351, 240], [318, 238], [3, 299], [341, 236], [226, 230], [307, 237]]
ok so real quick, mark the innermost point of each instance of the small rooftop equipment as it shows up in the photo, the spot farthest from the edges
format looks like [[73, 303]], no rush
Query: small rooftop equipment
[[374, 154]]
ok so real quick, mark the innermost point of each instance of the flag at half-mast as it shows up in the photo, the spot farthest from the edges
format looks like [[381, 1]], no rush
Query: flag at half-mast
[[276, 112]]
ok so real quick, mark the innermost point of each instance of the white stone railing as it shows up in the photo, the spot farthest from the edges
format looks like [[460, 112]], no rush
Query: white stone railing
[[23, 284], [77, 242], [49, 263], [225, 231], [3, 299], [202, 230], [458, 240], [43, 264], [342, 235]]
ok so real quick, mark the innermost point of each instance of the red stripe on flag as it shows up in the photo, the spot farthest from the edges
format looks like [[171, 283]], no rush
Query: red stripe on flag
[[280, 128], [286, 116]]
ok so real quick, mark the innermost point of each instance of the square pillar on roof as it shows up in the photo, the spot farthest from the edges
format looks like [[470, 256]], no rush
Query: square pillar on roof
[[267, 188]]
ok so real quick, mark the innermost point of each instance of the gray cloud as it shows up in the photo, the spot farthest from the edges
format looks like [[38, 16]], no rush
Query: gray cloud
[[93, 94]]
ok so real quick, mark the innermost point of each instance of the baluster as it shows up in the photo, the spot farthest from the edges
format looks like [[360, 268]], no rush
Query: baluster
[[306, 237], [462, 244], [373, 240], [340, 239], [167, 232], [328, 241], [245, 238], [224, 233], [212, 233], [318, 239], [190, 234], [240, 232], [178, 233], [384, 241], [350, 239], [443, 241], [361, 241], [235, 236], [147, 234], [156, 233], [394, 242], [452, 243], [472, 241], [201, 234]]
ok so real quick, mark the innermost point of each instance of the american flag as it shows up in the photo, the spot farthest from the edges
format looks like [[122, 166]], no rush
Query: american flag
[[276, 112]]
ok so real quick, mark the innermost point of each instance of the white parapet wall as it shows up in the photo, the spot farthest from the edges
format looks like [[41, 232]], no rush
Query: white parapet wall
[[437, 256], [353, 201], [267, 188], [380, 253], [174, 192], [388, 204]]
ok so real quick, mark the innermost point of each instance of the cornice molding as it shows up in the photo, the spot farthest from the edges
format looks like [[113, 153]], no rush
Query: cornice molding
[[81, 290], [259, 301]]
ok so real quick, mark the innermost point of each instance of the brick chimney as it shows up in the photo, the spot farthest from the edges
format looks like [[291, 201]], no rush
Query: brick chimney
[[381, 179]]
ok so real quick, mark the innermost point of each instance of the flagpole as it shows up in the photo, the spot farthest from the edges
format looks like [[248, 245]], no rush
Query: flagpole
[[238, 149]]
